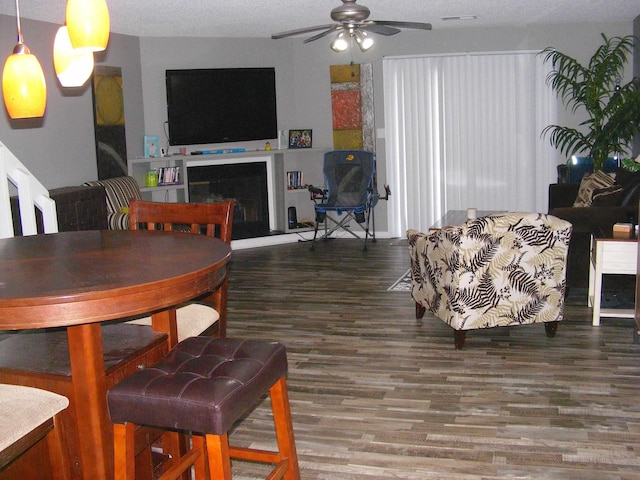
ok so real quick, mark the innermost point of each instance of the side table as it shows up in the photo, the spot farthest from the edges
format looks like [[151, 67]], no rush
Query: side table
[[610, 256]]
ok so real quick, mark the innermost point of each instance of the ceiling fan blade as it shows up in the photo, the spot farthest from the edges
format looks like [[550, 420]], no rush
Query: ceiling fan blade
[[379, 29], [391, 23], [334, 28], [300, 31]]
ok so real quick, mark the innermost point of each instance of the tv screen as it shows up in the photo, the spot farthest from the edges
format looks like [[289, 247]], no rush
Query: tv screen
[[221, 105]]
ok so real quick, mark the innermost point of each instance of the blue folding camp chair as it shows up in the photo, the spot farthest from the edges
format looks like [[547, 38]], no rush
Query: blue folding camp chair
[[350, 182]]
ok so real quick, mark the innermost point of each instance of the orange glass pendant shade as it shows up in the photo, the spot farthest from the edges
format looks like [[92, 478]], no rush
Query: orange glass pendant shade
[[23, 85], [88, 24], [73, 67]]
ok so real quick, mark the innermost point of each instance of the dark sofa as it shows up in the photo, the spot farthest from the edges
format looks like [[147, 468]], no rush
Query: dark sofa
[[596, 219], [78, 208]]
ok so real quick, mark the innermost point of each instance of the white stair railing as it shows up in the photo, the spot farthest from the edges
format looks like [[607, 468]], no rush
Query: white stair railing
[[31, 193]]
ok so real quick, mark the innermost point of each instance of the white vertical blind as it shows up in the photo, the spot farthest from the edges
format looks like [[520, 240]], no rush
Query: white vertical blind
[[465, 131]]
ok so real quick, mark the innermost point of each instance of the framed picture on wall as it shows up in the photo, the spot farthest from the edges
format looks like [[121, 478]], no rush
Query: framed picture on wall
[[151, 146], [300, 138]]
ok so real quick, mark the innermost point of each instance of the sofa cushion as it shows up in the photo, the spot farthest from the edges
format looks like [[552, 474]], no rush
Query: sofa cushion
[[589, 183], [607, 197], [630, 181], [627, 178]]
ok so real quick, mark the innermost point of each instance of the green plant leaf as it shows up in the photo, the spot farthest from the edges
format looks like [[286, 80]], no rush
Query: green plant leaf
[[613, 110]]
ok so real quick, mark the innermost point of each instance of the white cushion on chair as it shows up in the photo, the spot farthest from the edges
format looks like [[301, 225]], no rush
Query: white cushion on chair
[[192, 319], [22, 409]]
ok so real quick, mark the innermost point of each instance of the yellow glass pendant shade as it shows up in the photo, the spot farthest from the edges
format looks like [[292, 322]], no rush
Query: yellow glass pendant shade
[[23, 85], [73, 67], [88, 24]]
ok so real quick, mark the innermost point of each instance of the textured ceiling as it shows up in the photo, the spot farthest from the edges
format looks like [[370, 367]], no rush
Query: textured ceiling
[[261, 18]]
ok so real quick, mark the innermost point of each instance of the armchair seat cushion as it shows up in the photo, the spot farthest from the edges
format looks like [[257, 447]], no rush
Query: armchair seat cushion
[[498, 270]]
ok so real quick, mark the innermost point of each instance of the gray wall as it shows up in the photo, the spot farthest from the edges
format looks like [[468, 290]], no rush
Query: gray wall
[[60, 148], [60, 151], [302, 70]]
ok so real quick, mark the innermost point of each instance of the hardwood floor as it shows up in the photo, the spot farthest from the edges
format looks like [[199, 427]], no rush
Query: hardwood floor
[[374, 395]]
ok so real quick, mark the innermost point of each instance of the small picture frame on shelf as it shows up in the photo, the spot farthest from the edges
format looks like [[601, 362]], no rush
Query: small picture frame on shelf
[[300, 138], [151, 146]]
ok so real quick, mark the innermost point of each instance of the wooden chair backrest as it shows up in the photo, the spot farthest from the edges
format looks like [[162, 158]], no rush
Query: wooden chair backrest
[[195, 215]]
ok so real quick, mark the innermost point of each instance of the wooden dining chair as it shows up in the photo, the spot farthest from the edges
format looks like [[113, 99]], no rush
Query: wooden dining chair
[[211, 219], [27, 416]]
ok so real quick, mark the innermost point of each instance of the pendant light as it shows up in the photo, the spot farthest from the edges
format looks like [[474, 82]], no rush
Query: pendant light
[[23, 85], [88, 24], [73, 66]]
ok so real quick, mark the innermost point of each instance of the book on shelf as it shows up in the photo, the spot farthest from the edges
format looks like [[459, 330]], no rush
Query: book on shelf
[[169, 176], [295, 180]]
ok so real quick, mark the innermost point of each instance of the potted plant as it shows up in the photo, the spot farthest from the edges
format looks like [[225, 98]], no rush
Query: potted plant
[[613, 110]]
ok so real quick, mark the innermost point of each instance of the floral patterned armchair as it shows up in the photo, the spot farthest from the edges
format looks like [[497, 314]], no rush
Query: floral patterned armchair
[[499, 270]]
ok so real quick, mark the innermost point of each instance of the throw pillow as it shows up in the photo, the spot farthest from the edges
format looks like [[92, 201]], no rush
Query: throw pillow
[[607, 197], [590, 182]]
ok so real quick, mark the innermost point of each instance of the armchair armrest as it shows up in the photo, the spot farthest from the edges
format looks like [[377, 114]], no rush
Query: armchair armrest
[[562, 195], [317, 193], [118, 221]]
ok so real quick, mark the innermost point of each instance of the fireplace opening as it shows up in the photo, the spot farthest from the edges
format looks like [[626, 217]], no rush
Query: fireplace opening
[[244, 182]]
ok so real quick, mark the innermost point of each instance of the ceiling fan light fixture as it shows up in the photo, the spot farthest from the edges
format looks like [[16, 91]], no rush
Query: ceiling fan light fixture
[[351, 19], [364, 41], [340, 43]]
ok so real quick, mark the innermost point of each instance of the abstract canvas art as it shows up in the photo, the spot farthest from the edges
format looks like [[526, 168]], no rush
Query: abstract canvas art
[[352, 107], [108, 114]]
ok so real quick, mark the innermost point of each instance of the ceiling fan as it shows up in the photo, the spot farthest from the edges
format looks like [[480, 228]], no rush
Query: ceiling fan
[[352, 23]]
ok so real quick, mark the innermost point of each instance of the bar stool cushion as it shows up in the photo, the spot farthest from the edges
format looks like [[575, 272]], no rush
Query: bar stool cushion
[[203, 385]]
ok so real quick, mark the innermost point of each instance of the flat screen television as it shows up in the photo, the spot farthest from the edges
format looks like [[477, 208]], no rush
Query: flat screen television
[[221, 105]]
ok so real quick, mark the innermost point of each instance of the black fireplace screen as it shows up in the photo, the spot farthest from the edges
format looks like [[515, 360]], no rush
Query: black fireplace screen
[[244, 182]]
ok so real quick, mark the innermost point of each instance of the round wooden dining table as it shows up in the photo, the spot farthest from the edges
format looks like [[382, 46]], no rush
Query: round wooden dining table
[[80, 279]]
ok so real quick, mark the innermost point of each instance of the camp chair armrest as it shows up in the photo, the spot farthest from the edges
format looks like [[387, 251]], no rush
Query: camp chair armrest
[[317, 192]]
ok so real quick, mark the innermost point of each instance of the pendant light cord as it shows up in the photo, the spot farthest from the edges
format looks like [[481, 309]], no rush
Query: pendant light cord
[[20, 40]]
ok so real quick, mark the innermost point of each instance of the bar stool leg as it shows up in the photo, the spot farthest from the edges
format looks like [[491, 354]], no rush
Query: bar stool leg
[[200, 466], [218, 457], [284, 427], [123, 448]]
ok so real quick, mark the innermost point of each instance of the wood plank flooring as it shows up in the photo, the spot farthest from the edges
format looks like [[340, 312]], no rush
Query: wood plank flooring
[[374, 395]]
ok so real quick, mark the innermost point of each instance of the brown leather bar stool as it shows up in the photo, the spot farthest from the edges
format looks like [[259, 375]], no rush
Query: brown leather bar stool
[[203, 386]]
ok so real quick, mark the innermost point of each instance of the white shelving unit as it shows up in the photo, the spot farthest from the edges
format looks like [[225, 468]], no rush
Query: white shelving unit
[[309, 161], [138, 168]]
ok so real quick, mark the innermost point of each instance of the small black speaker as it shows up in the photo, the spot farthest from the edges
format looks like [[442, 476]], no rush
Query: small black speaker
[[293, 217]]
